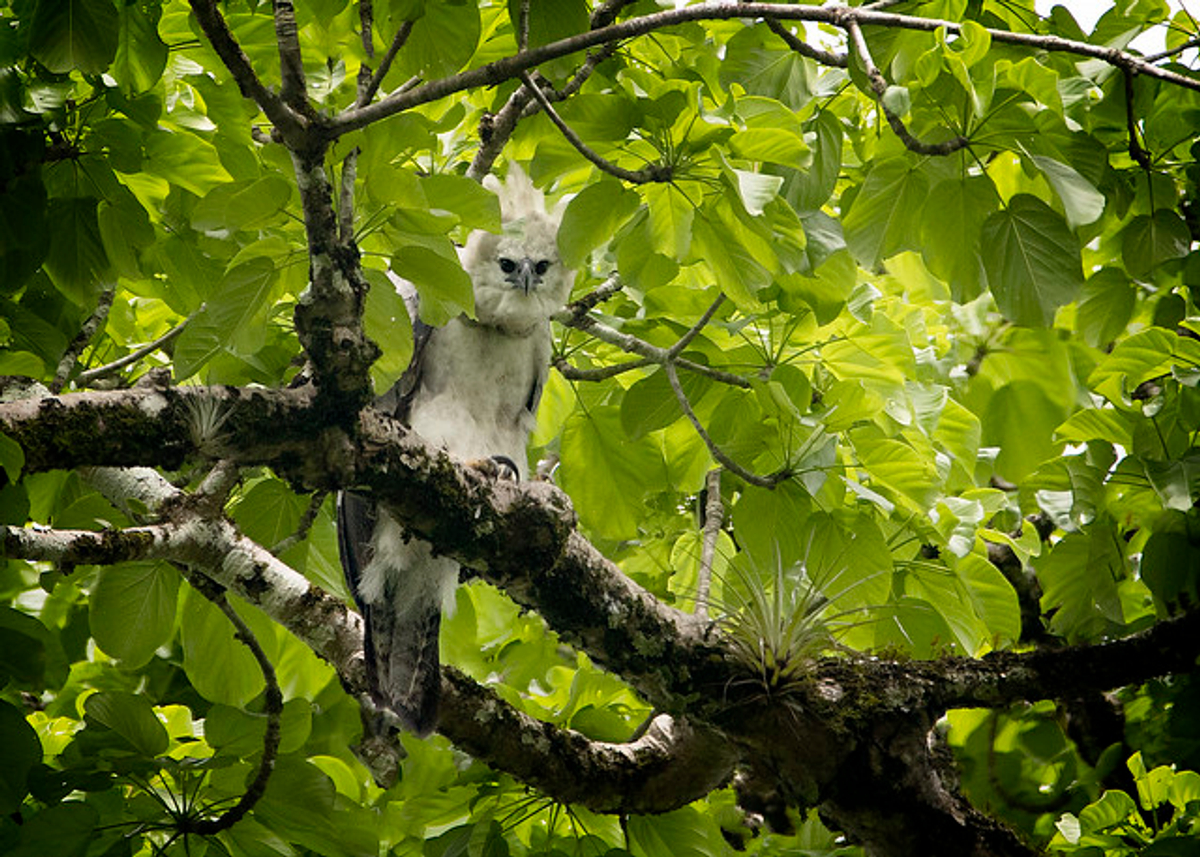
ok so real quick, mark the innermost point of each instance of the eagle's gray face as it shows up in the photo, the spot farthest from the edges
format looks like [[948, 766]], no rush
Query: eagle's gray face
[[518, 277]]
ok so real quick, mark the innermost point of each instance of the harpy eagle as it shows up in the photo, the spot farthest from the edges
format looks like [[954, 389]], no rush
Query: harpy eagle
[[472, 387]]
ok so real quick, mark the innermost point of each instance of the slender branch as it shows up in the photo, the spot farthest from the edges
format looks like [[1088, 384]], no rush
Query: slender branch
[[1138, 154], [86, 378], [634, 345], [839, 16], [684, 341], [579, 308], [650, 173], [366, 20], [385, 65], [291, 61], [714, 517], [523, 26], [1170, 52], [219, 36], [83, 338], [272, 703], [879, 87], [732, 466], [602, 373], [302, 528], [805, 49], [495, 130]]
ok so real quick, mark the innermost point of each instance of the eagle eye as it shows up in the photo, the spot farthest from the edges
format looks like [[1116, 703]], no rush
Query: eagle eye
[[541, 267], [508, 266]]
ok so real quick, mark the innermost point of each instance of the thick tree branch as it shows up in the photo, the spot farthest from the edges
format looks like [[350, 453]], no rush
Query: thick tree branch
[[287, 120], [838, 16]]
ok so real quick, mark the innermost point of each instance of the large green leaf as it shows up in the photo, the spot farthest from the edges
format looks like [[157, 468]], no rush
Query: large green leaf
[[442, 40], [445, 288], [185, 160], [65, 830], [593, 442], [1105, 306], [762, 65], [22, 751], [1081, 202], [219, 667], [1079, 580], [130, 716], [68, 35], [951, 222], [23, 651], [76, 260], [239, 299], [141, 55], [1148, 241], [881, 221], [132, 610], [242, 205], [1032, 260], [592, 218], [24, 234]]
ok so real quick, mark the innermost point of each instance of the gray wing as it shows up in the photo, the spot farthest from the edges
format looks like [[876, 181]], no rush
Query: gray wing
[[400, 641]]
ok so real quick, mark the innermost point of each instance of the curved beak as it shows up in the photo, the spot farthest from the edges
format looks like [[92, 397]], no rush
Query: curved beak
[[524, 277]]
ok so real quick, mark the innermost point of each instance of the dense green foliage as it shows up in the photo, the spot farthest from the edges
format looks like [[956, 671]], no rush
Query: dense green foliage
[[938, 352]]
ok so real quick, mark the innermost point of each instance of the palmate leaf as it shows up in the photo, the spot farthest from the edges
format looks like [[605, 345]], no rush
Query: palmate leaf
[[1032, 260]]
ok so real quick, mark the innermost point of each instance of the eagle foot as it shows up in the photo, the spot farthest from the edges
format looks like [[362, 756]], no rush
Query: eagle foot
[[497, 467]]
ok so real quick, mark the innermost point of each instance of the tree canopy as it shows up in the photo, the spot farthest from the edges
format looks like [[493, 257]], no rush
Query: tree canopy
[[866, 520]]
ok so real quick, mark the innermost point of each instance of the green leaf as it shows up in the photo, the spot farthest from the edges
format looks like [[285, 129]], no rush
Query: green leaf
[[22, 751], [125, 231], [1113, 808], [774, 145], [12, 457], [671, 217], [1032, 260], [897, 465], [1148, 242], [66, 35], [269, 512], [218, 666], [23, 644], [1079, 579], [1020, 420], [240, 298], [810, 189], [475, 206], [599, 117], [650, 404], [881, 221], [1106, 305], [130, 716], [76, 260], [132, 610], [685, 832], [592, 218], [1081, 201], [769, 524], [442, 40], [593, 442], [762, 65], [445, 288], [141, 55], [1144, 355], [1171, 567], [732, 262], [185, 160], [24, 233], [756, 190], [64, 830], [386, 321], [242, 205]]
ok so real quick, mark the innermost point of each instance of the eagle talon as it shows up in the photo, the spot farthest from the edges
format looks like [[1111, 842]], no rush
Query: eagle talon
[[497, 467]]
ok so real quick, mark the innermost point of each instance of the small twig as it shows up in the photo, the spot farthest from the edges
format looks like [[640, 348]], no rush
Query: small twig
[[523, 26], [306, 521], [366, 19], [83, 338], [91, 375], [385, 65], [272, 703], [879, 87], [495, 130], [634, 345], [346, 198], [804, 48], [686, 340], [650, 173], [717, 453], [602, 373], [580, 307], [714, 517], [1170, 52], [1139, 155]]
